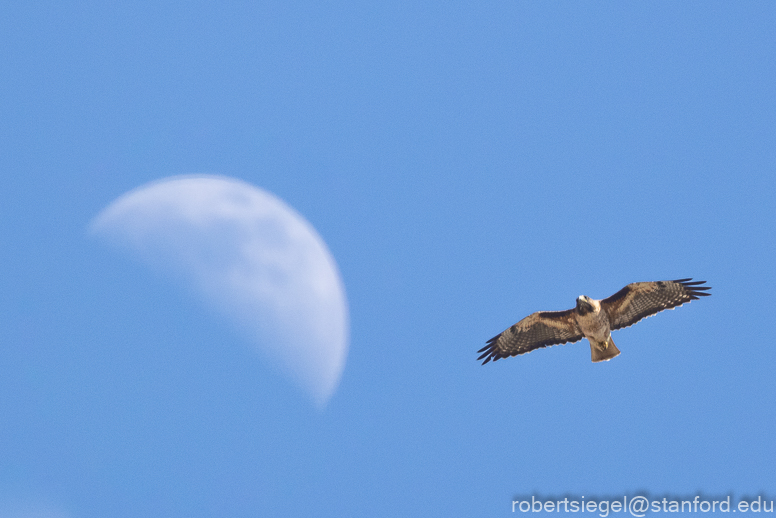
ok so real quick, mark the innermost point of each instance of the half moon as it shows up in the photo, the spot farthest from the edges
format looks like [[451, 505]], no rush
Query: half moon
[[253, 258]]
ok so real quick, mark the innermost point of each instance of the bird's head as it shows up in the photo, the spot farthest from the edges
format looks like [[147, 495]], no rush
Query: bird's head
[[584, 305]]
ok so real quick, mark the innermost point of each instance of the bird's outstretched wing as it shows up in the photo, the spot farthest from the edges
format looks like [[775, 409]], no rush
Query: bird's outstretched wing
[[642, 299], [540, 329]]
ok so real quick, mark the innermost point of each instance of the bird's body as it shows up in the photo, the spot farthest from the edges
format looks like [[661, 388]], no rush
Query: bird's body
[[595, 326], [592, 319]]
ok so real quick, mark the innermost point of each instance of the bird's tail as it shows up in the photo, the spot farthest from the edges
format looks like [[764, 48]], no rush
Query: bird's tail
[[603, 351]]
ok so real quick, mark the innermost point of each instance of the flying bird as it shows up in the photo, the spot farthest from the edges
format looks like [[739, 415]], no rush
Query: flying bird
[[592, 319]]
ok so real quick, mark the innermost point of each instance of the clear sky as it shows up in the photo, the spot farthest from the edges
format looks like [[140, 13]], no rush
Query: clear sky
[[466, 163]]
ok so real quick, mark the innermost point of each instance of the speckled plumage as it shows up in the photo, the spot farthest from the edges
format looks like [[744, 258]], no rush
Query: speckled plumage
[[592, 319]]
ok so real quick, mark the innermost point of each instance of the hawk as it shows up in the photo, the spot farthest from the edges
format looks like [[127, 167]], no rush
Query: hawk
[[592, 319]]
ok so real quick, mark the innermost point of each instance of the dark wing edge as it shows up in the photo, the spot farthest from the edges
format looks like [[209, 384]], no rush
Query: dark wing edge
[[541, 329], [643, 299]]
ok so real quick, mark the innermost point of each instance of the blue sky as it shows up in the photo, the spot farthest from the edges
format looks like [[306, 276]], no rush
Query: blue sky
[[466, 164]]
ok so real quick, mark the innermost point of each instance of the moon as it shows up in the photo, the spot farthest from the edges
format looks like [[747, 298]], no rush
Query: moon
[[250, 256]]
